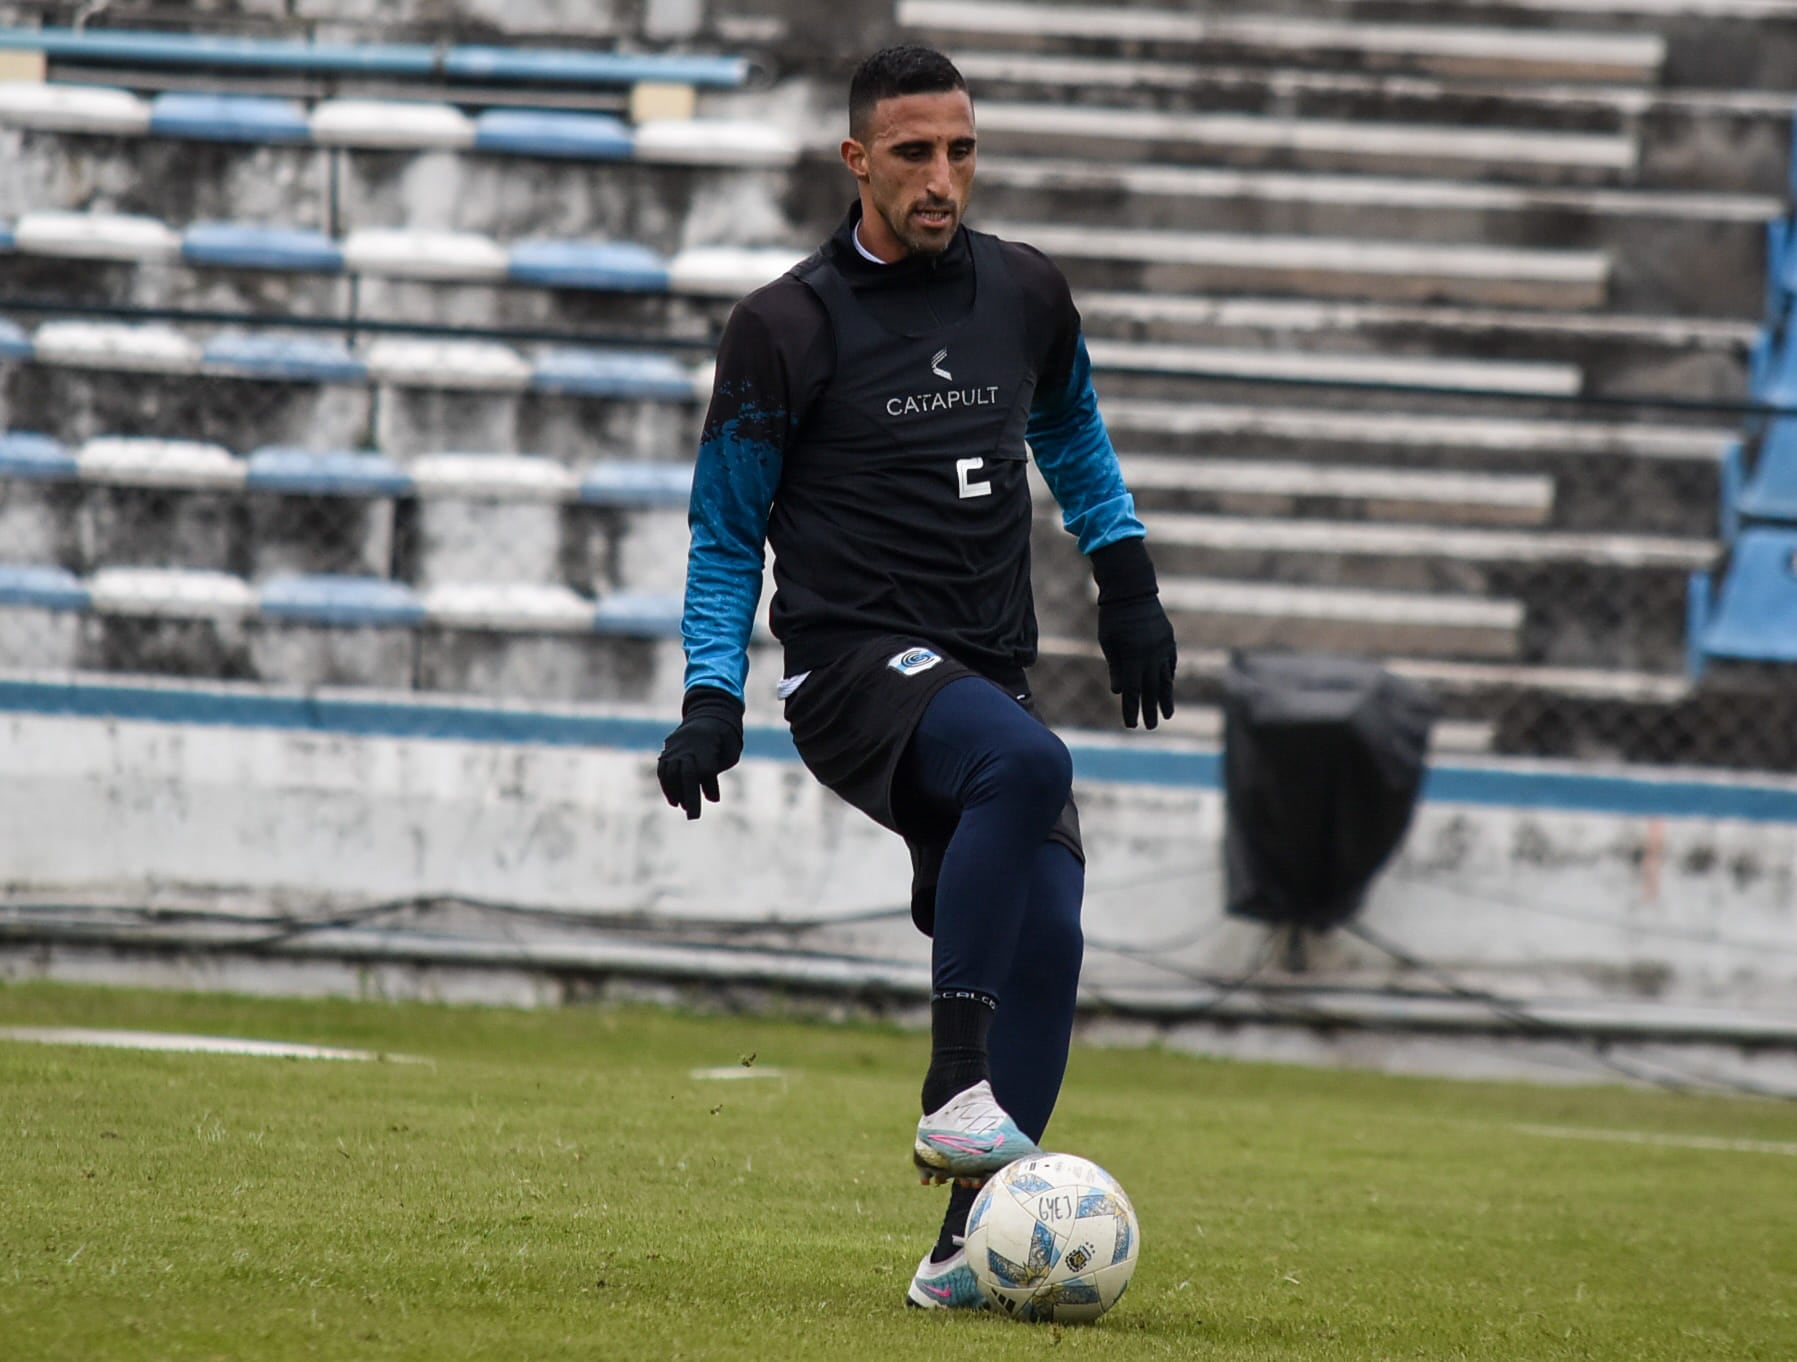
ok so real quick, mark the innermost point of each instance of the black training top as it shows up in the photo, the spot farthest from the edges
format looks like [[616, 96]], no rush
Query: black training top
[[869, 422]]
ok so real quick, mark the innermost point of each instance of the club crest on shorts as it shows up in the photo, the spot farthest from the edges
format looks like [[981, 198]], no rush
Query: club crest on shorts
[[912, 661]]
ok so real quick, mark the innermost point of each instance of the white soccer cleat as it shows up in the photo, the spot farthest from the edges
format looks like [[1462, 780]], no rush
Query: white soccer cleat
[[968, 1139], [948, 1285]]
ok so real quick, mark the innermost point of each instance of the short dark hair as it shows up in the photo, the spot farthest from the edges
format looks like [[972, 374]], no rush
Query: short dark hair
[[895, 71]]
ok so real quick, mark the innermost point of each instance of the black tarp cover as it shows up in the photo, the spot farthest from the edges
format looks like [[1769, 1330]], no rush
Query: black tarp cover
[[1323, 757]]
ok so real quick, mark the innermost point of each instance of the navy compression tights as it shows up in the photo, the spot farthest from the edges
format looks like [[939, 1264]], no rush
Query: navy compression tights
[[1008, 900]]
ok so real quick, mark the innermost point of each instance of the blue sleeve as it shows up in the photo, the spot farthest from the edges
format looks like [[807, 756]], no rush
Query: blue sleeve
[[734, 479], [1073, 450]]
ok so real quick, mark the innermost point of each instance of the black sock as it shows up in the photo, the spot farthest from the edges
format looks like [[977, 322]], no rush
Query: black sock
[[959, 1021], [954, 1223]]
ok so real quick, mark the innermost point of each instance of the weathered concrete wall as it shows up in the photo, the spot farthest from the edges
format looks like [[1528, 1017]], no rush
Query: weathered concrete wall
[[1533, 902]]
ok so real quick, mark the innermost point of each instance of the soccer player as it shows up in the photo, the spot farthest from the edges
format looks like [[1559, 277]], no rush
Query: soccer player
[[868, 423]]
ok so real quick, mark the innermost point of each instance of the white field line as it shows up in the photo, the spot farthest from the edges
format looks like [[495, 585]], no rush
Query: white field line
[[166, 1041], [732, 1072], [1665, 1141]]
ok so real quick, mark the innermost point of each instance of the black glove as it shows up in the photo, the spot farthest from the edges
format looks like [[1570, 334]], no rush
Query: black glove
[[708, 742], [1133, 631]]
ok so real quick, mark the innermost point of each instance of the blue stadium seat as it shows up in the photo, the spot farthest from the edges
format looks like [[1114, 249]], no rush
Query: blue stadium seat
[[250, 246], [635, 614], [567, 136], [1771, 373], [46, 588], [14, 343], [1781, 268], [27, 454], [1770, 492], [1760, 353], [649, 486], [606, 266], [228, 118], [335, 473], [1753, 617], [292, 359], [613, 373], [331, 599]]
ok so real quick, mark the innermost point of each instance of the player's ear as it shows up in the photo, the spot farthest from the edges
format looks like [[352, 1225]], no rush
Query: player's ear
[[854, 156]]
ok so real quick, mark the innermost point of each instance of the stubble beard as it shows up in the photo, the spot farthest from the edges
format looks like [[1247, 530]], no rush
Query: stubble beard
[[915, 244]]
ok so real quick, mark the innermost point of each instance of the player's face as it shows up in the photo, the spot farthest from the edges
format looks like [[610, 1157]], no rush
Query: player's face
[[916, 172]]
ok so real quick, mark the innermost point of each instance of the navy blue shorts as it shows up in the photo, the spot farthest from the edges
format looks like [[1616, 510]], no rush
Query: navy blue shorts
[[852, 719]]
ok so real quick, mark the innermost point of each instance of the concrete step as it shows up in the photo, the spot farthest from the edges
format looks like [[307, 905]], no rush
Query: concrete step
[[1286, 143], [1717, 241], [1531, 710], [1591, 600], [1182, 262], [244, 414], [1309, 490], [1747, 44], [1523, 377], [507, 198], [1235, 614], [351, 20], [1720, 140], [1464, 686], [422, 545], [1436, 48], [1616, 355], [1449, 737], [1603, 713], [523, 308], [1328, 549], [1641, 478], [690, 309], [118, 637]]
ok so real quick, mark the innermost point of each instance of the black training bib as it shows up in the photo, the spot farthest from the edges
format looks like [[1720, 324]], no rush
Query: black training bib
[[903, 505]]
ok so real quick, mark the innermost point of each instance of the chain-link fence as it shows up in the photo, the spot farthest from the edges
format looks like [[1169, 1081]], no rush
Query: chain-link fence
[[489, 539], [1544, 595]]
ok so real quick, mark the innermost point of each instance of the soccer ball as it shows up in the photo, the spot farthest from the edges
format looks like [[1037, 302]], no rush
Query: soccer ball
[[1052, 1238]]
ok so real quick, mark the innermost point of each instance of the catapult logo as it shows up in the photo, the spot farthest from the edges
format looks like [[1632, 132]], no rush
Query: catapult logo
[[920, 404]]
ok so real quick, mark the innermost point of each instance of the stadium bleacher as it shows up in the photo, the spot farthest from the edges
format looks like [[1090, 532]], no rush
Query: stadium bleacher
[[159, 50], [1352, 276], [391, 125], [153, 347], [1750, 616], [1770, 493]]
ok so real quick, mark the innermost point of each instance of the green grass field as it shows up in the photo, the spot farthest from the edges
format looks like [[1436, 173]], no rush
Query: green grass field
[[557, 1185]]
